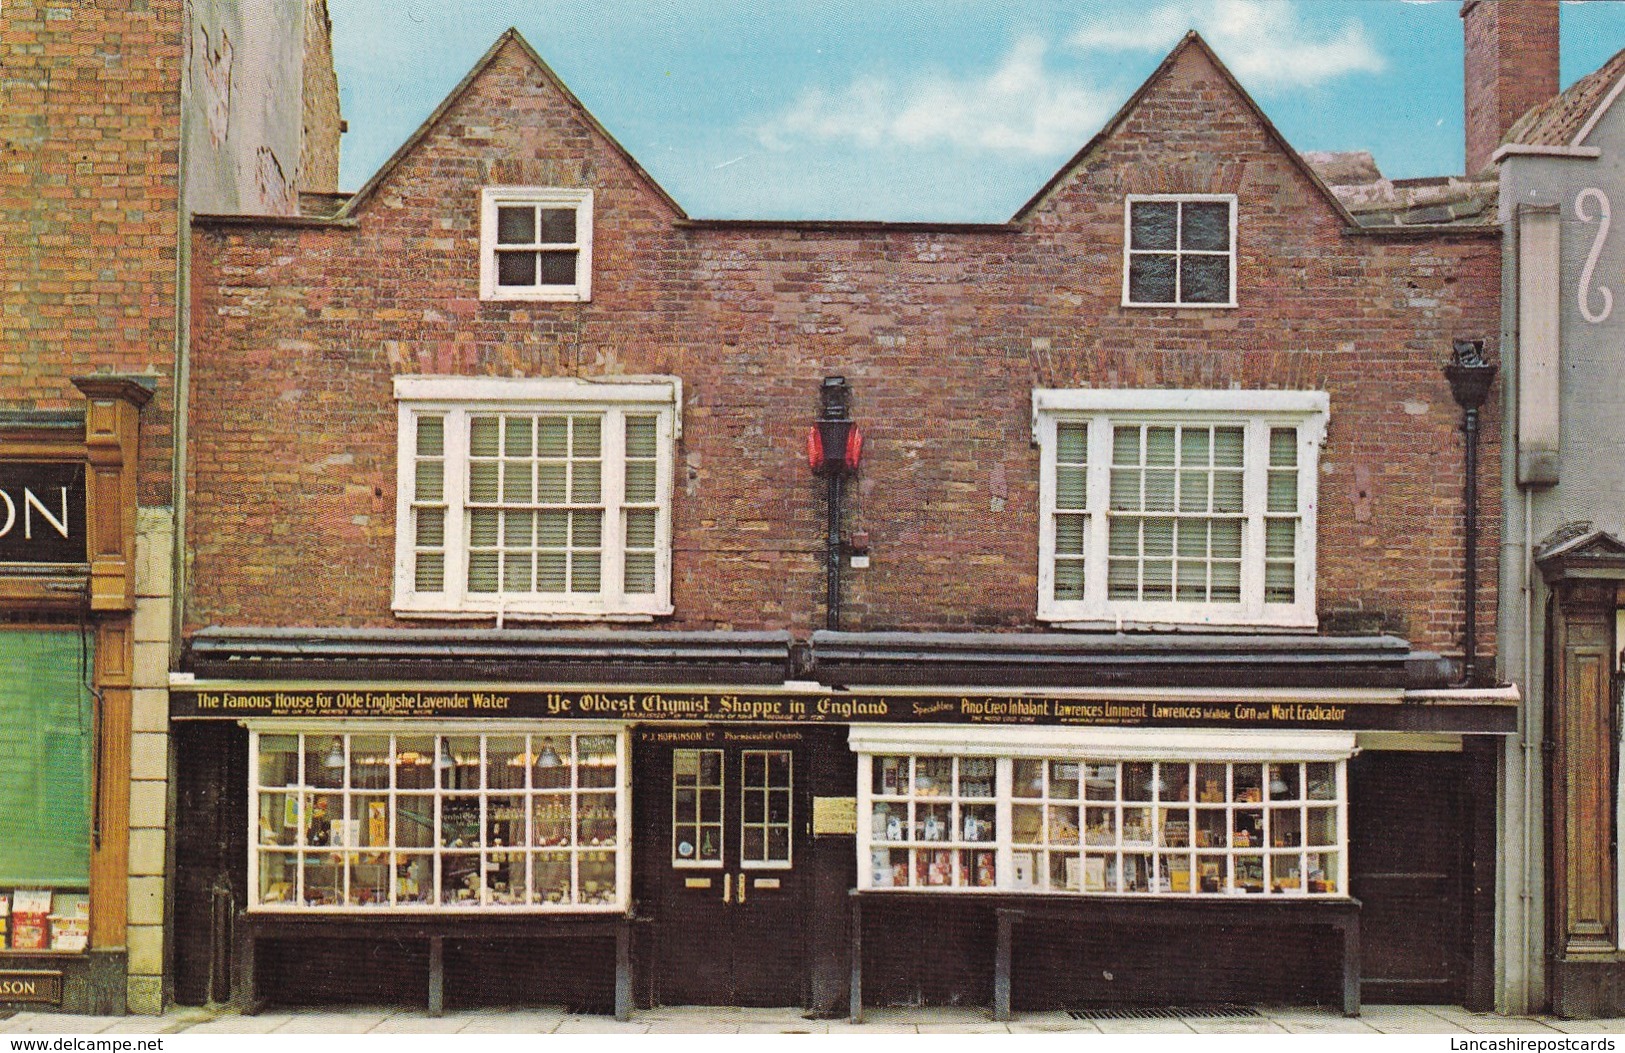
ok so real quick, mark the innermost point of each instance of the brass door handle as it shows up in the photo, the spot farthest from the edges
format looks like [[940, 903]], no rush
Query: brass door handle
[[727, 888], [743, 884]]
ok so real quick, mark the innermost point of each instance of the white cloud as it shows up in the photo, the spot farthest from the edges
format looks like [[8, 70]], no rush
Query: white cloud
[[1264, 42], [1021, 105]]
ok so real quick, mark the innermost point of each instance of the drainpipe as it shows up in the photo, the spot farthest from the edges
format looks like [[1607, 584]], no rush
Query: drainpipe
[[834, 446], [1470, 377]]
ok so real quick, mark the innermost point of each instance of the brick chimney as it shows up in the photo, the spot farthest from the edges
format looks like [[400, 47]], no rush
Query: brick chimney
[[1511, 65]]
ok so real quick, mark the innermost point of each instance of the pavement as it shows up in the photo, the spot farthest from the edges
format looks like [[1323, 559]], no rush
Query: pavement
[[1377, 1019]]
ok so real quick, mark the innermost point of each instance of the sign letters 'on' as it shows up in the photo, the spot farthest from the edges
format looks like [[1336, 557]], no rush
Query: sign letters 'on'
[[42, 512]]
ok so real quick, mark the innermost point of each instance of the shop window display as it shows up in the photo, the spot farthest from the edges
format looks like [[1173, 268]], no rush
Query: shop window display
[[1102, 826], [413, 820]]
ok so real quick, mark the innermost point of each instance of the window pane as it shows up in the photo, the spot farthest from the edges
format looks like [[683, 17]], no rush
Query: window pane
[[516, 268], [1227, 492], [483, 524], [552, 436], [640, 572], [482, 572], [556, 268], [1069, 487], [586, 529], [640, 482], [550, 482], [1283, 448], [1069, 579], [585, 482], [1204, 279], [1151, 278], [585, 438], [640, 528], [431, 436], [558, 226], [1069, 535], [1206, 225], [1283, 492], [640, 437], [431, 527], [1227, 447], [1279, 583], [516, 225], [430, 481], [516, 572], [485, 436], [550, 571], [430, 573], [1153, 224], [584, 572], [1280, 536], [516, 482], [517, 435]]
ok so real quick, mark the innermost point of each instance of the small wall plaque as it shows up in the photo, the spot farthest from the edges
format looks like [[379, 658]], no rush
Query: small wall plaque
[[697, 882], [835, 815], [30, 985]]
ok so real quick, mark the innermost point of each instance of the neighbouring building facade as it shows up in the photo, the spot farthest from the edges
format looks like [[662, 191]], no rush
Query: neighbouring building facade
[[643, 609], [99, 169], [1564, 566]]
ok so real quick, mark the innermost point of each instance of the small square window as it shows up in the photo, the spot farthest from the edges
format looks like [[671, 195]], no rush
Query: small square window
[[535, 244], [1180, 251]]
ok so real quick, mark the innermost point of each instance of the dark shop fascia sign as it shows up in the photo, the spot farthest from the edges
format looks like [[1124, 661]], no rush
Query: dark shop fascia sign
[[30, 985], [653, 706], [42, 512]]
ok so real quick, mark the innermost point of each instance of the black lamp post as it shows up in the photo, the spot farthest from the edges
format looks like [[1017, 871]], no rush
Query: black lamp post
[[1470, 377], [834, 446]]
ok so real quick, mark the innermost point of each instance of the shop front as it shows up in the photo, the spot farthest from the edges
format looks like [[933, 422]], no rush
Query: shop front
[[616, 844], [67, 543]]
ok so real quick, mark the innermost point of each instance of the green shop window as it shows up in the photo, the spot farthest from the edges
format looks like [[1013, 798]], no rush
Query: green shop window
[[47, 726]]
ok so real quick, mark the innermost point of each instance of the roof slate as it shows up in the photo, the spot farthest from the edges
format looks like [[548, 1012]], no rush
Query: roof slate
[[1559, 121]]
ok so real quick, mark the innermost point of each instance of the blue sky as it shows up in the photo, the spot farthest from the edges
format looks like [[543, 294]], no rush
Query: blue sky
[[921, 109]]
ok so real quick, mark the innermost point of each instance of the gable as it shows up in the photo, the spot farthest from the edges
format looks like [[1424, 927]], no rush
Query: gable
[[1187, 107], [510, 54]]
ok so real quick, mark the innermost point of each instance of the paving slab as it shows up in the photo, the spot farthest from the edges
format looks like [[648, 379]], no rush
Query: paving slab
[[510, 1023], [984, 1027], [599, 1025], [419, 1023], [58, 1024], [1339, 1026], [1168, 1026], [1235, 1026], [333, 1023], [240, 1025], [798, 1027], [1070, 1027], [1612, 1026]]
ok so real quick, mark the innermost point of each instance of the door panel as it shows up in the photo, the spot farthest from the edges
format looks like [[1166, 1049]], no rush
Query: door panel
[[726, 826]]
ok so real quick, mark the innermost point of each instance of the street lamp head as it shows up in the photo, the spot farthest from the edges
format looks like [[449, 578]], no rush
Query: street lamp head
[[1469, 374]]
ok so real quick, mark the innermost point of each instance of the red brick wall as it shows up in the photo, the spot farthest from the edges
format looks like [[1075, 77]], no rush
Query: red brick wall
[[943, 335], [89, 137], [1511, 65]]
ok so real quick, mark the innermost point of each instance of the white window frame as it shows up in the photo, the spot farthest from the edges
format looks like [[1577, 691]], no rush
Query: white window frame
[[343, 731], [1177, 252], [1103, 745], [458, 398], [491, 198], [1256, 412]]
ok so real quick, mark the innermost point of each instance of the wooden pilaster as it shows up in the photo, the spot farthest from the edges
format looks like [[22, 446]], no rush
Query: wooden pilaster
[[1582, 786], [111, 440]]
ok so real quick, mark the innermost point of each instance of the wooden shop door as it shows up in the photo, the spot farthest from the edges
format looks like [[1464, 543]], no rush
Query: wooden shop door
[[726, 853]]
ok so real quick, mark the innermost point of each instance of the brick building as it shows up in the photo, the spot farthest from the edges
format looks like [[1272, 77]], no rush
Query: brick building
[[91, 343], [510, 596]]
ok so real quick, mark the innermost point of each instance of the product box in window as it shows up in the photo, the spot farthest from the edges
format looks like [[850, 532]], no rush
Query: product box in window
[[30, 924], [70, 923], [5, 920]]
